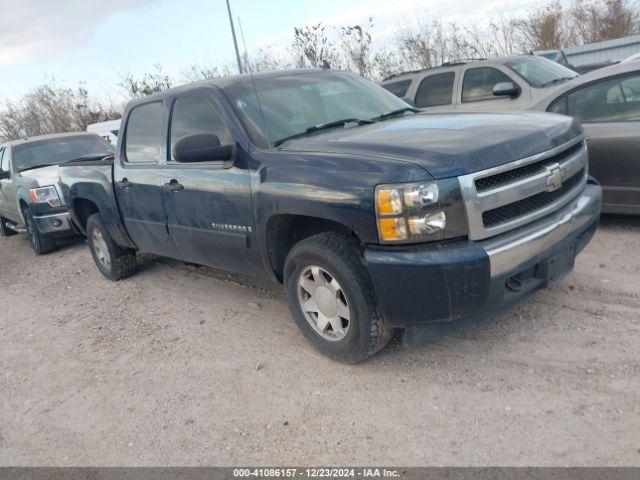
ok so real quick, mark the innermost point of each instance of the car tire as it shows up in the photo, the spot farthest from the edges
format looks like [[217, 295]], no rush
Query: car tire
[[40, 242], [113, 261], [4, 230], [327, 273]]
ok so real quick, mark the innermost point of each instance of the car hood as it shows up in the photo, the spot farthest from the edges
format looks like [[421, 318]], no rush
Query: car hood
[[44, 176], [448, 145]]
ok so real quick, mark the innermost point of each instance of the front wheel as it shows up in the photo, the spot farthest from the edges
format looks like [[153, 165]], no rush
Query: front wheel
[[113, 261], [40, 242], [331, 298]]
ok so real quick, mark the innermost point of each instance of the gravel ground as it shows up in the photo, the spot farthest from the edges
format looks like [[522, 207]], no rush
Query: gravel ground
[[182, 365]]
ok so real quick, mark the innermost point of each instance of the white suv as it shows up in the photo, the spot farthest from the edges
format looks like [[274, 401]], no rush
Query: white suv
[[512, 83]]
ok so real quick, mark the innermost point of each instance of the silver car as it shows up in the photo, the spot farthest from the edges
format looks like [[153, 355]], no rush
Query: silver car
[[30, 197], [512, 83]]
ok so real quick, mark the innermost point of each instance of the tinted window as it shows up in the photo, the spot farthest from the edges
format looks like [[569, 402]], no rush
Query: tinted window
[[193, 115], [613, 100], [399, 89], [144, 133], [435, 90], [54, 151], [479, 82]]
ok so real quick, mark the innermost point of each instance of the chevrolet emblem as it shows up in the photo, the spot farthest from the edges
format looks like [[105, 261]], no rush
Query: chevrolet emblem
[[556, 175]]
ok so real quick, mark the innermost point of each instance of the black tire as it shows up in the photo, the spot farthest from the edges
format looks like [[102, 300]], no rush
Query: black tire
[[4, 230], [40, 242], [341, 259], [121, 261]]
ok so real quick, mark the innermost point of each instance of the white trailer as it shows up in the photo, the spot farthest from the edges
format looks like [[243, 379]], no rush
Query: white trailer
[[107, 130]]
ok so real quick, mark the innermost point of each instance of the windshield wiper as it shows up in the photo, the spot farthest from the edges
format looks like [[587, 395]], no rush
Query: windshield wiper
[[97, 156], [556, 80], [38, 166], [393, 113], [323, 126]]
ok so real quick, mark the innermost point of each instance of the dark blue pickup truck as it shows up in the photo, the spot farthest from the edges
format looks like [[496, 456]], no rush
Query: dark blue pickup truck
[[374, 216]]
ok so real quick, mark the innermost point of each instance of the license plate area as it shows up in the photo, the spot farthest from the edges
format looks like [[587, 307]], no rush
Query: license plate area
[[556, 266]]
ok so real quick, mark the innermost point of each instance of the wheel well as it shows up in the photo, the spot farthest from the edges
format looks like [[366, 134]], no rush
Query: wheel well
[[23, 205], [284, 231], [83, 209]]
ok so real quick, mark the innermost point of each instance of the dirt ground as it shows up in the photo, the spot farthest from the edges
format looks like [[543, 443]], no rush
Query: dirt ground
[[181, 365]]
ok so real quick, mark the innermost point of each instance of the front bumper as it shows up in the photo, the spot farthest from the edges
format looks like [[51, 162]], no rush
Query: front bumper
[[58, 224], [459, 283]]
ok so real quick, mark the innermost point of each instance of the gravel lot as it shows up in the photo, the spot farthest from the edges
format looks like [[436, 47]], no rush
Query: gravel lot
[[181, 365]]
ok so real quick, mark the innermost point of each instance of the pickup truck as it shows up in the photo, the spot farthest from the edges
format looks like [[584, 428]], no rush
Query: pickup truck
[[30, 196], [375, 216]]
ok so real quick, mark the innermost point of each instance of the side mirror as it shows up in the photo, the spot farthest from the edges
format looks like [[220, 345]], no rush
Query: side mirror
[[201, 147], [506, 89], [4, 175]]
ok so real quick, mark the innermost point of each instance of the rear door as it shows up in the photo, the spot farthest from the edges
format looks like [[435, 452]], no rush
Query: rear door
[[609, 111], [8, 200], [137, 180], [210, 217], [476, 91]]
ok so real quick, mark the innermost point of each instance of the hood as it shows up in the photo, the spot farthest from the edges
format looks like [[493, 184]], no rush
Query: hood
[[448, 145], [44, 176]]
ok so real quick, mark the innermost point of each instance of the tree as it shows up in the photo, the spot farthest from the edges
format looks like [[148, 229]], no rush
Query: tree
[[312, 47], [543, 29], [149, 83], [355, 41]]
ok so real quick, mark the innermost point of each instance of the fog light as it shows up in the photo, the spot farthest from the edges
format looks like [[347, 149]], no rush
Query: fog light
[[56, 223], [430, 223]]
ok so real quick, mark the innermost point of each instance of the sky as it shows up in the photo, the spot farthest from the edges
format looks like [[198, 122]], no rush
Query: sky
[[97, 41]]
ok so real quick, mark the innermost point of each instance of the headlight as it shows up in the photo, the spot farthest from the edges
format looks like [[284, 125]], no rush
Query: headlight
[[48, 195], [420, 212]]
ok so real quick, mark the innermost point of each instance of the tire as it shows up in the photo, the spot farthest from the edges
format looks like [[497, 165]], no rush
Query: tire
[[4, 230], [40, 242], [113, 261], [330, 261]]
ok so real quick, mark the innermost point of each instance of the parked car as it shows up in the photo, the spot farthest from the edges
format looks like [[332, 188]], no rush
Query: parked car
[[512, 83], [607, 103], [30, 196], [373, 215]]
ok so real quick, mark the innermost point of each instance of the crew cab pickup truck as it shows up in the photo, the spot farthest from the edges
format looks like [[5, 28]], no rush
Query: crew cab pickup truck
[[30, 196], [373, 215]]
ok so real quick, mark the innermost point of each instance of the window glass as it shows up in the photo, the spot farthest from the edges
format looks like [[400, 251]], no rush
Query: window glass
[[435, 90], [55, 151], [479, 82], [193, 115], [539, 72], [613, 100], [399, 89], [559, 106], [144, 133], [4, 163]]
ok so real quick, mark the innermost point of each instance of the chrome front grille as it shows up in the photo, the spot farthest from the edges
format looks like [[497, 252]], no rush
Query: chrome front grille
[[505, 197]]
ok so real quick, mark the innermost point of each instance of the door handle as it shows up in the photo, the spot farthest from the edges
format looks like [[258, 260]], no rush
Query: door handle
[[124, 183], [173, 186]]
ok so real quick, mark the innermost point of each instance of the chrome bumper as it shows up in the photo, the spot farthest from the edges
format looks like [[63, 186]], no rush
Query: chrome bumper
[[52, 224], [510, 250]]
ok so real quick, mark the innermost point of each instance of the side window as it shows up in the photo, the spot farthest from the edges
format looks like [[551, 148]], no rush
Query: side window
[[612, 100], [193, 115], [4, 160], [399, 89], [143, 137], [478, 83], [435, 90], [559, 106]]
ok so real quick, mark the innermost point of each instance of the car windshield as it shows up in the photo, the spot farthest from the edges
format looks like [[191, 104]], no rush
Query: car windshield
[[540, 72], [54, 151], [293, 103]]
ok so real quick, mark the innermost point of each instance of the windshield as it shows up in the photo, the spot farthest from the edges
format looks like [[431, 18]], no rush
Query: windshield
[[540, 72], [293, 103], [54, 151]]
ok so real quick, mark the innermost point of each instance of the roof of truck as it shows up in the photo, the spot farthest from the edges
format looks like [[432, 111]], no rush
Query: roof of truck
[[51, 136]]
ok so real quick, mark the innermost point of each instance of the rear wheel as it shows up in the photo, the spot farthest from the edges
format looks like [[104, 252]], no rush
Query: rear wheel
[[4, 230], [40, 242], [331, 298], [113, 261]]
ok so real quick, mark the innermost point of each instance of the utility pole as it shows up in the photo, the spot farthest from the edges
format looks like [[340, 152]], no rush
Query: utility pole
[[235, 42]]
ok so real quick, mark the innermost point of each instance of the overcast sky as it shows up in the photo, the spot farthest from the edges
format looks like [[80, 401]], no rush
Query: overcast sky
[[94, 41]]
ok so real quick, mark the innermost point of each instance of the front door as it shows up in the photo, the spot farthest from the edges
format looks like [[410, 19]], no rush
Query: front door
[[210, 215], [476, 92], [8, 200], [138, 183]]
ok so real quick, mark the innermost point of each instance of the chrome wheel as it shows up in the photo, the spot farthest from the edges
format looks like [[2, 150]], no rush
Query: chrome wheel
[[100, 249], [323, 303]]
